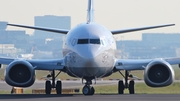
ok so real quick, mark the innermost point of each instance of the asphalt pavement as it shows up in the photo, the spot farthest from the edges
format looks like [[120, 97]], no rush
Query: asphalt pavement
[[103, 97]]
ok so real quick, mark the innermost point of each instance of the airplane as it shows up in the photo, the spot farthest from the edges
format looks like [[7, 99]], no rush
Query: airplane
[[89, 53]]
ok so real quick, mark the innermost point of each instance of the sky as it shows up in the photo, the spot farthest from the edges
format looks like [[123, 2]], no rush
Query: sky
[[113, 14]]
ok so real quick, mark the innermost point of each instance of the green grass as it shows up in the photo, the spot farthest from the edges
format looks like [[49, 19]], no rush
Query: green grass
[[172, 89], [25, 91], [140, 88], [4, 92]]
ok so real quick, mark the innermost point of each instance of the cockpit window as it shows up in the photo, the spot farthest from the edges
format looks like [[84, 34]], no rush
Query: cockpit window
[[89, 41], [83, 41], [94, 41]]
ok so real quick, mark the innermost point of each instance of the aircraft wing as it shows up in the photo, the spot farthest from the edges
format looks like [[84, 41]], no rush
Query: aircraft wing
[[131, 64], [140, 64], [62, 31], [44, 64], [6, 61], [173, 61], [138, 29], [52, 64]]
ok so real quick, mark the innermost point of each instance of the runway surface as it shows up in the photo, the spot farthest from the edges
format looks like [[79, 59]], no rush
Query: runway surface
[[105, 97]]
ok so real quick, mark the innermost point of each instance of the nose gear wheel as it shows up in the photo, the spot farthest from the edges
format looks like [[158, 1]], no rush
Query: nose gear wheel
[[88, 89]]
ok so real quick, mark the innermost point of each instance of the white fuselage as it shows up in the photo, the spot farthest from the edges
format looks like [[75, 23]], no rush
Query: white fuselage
[[89, 51]]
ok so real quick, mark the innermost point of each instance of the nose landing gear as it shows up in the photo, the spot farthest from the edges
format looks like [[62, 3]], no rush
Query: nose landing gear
[[88, 89]]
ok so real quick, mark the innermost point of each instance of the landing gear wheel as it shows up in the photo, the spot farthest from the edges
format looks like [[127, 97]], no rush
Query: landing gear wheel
[[86, 90], [120, 87], [92, 91], [48, 87], [131, 87], [51, 84], [58, 87]]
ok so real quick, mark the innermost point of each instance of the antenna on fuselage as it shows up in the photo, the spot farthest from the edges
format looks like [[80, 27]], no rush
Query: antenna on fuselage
[[90, 11]]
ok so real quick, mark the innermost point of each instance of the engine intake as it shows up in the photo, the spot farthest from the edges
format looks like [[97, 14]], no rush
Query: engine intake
[[20, 73], [159, 73]]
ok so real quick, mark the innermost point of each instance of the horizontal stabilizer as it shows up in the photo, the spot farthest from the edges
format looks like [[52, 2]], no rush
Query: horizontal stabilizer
[[62, 31], [139, 29]]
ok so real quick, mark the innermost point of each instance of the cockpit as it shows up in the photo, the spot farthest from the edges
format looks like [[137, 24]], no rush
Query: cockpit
[[90, 41]]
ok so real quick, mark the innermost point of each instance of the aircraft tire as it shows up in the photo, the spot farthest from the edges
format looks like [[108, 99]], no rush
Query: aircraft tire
[[58, 87], [92, 91], [131, 87], [86, 90], [120, 87], [48, 87]]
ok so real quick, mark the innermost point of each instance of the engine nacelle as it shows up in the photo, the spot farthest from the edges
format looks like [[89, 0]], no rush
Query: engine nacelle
[[159, 73], [20, 73]]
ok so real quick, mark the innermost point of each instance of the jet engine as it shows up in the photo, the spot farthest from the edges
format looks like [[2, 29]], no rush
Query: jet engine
[[20, 73], [158, 73]]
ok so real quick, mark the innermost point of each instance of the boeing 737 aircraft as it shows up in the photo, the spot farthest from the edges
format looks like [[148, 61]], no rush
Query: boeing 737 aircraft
[[89, 53]]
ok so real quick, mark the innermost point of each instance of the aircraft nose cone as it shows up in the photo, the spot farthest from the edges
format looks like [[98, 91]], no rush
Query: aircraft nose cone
[[88, 52]]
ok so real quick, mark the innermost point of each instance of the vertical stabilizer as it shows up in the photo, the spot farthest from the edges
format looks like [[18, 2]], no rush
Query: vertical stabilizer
[[90, 11]]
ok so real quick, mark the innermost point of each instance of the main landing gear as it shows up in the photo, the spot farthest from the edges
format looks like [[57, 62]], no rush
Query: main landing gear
[[122, 85], [49, 85], [88, 89]]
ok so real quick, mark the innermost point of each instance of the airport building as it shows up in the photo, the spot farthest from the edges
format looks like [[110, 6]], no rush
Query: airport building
[[152, 45], [51, 21], [12, 41], [49, 42], [40, 42]]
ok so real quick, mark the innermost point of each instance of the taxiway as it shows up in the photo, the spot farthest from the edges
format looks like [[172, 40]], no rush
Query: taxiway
[[103, 97]]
